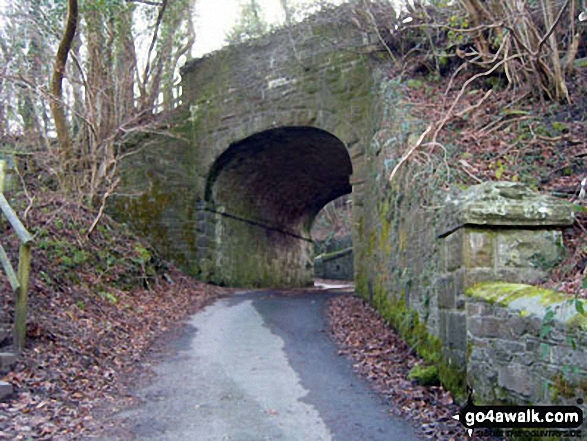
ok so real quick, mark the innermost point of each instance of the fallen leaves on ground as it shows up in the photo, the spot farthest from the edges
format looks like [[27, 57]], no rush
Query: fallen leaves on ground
[[381, 356], [92, 318]]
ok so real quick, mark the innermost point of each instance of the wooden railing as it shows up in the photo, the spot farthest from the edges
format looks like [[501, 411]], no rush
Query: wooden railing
[[19, 281]]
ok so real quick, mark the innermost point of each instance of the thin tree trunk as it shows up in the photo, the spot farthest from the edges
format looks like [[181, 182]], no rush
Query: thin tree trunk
[[57, 108]]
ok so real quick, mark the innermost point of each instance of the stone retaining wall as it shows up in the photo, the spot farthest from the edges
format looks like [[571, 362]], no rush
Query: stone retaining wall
[[202, 196], [518, 352], [423, 255], [336, 265]]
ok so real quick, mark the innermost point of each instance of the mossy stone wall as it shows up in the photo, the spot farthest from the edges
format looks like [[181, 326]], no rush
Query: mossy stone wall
[[395, 237], [417, 251], [526, 345], [336, 265]]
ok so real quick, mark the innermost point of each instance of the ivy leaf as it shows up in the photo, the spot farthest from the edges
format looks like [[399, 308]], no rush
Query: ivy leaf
[[579, 304], [545, 331], [549, 316]]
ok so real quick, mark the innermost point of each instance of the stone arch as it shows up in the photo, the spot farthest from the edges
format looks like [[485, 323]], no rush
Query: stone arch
[[265, 191], [244, 126]]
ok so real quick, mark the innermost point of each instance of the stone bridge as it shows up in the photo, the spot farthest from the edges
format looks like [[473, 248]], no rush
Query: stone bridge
[[270, 131]]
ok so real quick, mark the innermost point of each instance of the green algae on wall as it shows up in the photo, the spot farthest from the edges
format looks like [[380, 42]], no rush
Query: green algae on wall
[[408, 324], [531, 300], [503, 293]]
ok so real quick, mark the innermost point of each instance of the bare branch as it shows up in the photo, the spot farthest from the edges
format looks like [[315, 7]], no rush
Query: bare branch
[[153, 41], [105, 196], [145, 2], [476, 105], [551, 30], [449, 113], [410, 152]]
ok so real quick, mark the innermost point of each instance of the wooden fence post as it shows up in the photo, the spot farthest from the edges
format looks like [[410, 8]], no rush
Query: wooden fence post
[[20, 281], [21, 301]]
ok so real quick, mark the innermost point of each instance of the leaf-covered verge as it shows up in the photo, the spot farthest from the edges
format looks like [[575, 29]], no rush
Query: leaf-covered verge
[[96, 305], [381, 356]]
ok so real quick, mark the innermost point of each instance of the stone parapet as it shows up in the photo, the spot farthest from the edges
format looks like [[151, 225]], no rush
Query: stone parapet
[[501, 231]]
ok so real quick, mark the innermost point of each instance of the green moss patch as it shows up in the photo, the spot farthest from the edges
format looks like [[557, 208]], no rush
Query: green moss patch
[[424, 375], [532, 300], [578, 321], [503, 294], [408, 324]]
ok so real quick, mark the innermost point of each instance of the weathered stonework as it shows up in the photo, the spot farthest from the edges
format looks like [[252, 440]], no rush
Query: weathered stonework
[[496, 232], [505, 204], [417, 263], [516, 354], [336, 265], [268, 133]]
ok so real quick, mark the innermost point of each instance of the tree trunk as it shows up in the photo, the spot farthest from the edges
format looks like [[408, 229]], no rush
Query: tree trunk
[[57, 107]]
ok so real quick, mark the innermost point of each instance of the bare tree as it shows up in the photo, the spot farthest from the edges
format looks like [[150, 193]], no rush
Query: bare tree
[[57, 105]]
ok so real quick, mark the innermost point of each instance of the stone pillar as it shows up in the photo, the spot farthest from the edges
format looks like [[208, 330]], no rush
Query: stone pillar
[[496, 231]]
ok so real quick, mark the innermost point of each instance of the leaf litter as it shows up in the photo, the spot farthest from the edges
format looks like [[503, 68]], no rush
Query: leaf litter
[[96, 305], [380, 355]]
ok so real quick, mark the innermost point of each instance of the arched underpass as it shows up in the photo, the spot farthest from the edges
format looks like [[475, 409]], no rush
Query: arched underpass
[[266, 191]]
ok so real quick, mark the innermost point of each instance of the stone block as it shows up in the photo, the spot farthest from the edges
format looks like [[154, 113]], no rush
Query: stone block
[[532, 344], [473, 309], [515, 378], [518, 325], [451, 289], [518, 248], [505, 204], [478, 308], [486, 327], [520, 275], [478, 248], [447, 297], [453, 250], [505, 351], [453, 330], [456, 358], [478, 275]]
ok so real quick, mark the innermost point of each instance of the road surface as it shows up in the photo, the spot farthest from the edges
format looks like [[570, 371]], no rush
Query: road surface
[[260, 366]]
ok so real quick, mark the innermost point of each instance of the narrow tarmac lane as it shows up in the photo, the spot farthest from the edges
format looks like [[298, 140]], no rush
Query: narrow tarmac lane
[[260, 366]]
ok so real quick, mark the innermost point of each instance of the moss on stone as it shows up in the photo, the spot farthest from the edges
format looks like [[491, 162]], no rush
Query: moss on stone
[[424, 375], [407, 322], [361, 285], [578, 321], [334, 254], [502, 293], [561, 387]]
